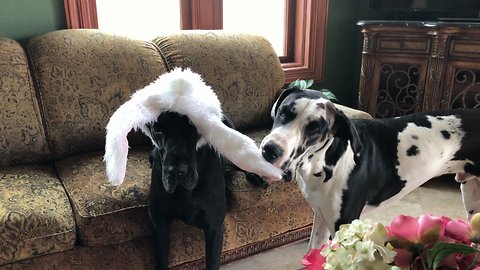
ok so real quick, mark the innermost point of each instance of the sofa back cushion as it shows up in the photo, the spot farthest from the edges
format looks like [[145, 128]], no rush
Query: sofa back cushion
[[243, 70], [82, 77], [22, 137]]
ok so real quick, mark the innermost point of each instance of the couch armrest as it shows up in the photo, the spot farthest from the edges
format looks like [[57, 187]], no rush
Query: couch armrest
[[353, 113]]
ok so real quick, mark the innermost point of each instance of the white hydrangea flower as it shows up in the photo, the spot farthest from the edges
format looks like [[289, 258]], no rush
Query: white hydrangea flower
[[339, 259], [359, 245], [364, 251]]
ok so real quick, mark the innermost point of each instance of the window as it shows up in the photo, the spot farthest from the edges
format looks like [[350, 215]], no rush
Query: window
[[299, 38], [239, 16], [141, 19]]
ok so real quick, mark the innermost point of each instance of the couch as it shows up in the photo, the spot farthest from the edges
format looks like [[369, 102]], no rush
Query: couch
[[57, 209]]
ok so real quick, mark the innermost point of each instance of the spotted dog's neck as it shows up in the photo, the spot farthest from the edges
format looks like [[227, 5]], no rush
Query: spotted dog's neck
[[321, 183]]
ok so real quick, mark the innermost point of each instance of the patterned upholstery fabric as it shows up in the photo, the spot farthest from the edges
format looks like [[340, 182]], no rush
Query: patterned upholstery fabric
[[133, 255], [242, 69], [22, 138], [109, 215], [83, 76], [35, 214]]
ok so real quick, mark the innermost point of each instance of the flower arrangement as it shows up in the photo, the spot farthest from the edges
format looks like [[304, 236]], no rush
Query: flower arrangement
[[424, 243]]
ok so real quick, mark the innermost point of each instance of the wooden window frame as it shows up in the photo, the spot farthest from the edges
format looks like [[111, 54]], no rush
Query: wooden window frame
[[81, 13], [201, 14], [305, 37], [305, 40]]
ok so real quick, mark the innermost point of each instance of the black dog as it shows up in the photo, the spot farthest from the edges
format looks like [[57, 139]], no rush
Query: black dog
[[188, 183]]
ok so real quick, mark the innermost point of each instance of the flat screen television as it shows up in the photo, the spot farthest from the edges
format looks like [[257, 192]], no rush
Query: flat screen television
[[428, 9], [433, 5]]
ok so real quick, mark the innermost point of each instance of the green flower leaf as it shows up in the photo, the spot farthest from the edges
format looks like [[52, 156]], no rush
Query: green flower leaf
[[441, 250], [306, 84], [302, 84], [309, 83], [293, 84], [328, 94]]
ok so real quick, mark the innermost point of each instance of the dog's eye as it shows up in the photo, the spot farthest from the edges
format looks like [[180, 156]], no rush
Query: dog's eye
[[283, 113], [312, 126], [158, 134], [286, 115]]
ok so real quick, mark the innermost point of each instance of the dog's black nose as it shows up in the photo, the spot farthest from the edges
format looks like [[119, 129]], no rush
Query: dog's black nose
[[177, 171], [271, 152], [287, 176]]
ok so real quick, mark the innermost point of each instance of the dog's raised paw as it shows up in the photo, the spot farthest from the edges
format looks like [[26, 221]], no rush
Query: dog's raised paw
[[256, 180]]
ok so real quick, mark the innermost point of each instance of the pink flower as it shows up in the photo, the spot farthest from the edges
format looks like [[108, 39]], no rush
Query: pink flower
[[313, 260], [404, 227], [409, 236], [461, 261], [404, 258], [426, 229], [458, 230], [419, 243], [430, 228]]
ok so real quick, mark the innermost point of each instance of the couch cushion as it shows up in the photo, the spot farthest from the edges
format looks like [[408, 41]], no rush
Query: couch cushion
[[35, 213], [107, 214], [82, 77], [132, 255], [22, 138], [242, 69]]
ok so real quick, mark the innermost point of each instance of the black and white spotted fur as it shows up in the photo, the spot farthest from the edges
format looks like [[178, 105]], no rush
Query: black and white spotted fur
[[346, 167]]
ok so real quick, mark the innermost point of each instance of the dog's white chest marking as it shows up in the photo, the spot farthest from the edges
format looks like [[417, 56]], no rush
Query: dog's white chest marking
[[325, 197]]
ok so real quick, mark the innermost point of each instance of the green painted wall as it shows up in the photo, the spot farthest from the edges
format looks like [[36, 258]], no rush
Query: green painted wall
[[343, 49], [23, 19]]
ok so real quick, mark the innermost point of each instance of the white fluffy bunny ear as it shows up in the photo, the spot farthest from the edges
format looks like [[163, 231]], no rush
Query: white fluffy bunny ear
[[184, 92], [144, 107]]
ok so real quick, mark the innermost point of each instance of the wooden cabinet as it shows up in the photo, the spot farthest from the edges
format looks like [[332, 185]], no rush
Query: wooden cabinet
[[419, 66]]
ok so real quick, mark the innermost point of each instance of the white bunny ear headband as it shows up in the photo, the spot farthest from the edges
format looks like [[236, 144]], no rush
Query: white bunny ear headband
[[184, 92]]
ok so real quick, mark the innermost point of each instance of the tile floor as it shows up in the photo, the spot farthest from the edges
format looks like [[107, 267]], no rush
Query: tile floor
[[439, 197]]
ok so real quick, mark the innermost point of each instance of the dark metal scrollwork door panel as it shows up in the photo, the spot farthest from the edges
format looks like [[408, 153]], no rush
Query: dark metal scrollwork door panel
[[399, 87], [463, 86]]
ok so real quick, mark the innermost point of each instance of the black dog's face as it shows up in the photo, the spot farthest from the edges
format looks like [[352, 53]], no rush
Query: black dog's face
[[176, 140]]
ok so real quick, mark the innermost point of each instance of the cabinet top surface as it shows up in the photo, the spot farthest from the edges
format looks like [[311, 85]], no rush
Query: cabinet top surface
[[428, 24]]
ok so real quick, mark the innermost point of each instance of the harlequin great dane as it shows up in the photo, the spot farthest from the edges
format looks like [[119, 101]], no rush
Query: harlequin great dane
[[346, 167]]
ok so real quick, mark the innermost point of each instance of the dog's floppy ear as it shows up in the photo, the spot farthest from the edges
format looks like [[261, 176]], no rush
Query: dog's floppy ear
[[280, 99], [344, 129]]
